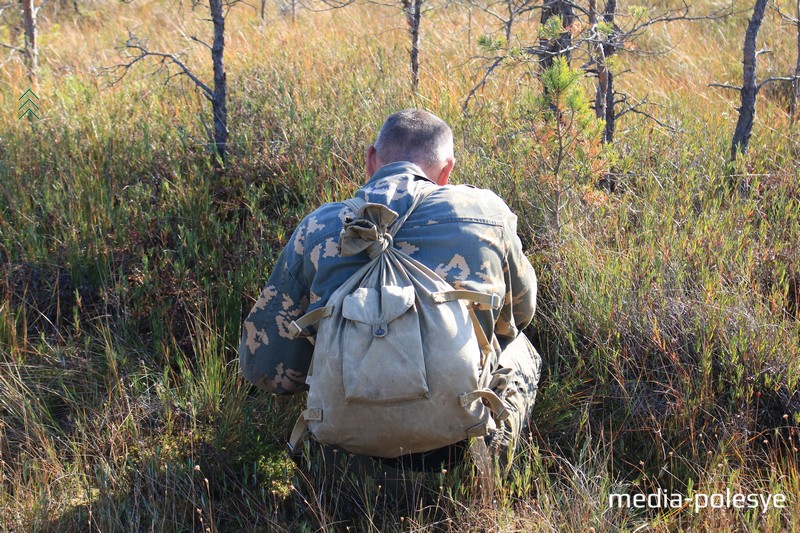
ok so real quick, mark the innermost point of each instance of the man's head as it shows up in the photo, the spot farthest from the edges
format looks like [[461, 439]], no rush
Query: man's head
[[416, 136]]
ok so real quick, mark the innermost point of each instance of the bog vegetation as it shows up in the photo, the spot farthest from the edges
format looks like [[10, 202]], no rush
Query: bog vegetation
[[669, 296]]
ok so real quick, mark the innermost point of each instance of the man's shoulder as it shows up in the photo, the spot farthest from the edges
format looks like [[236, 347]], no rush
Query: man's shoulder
[[471, 201], [326, 218], [326, 211], [471, 191]]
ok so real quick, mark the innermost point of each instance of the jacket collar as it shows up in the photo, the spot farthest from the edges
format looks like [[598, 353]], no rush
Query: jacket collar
[[397, 168]]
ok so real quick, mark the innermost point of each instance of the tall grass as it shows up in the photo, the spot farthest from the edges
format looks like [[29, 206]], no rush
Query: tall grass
[[668, 310]]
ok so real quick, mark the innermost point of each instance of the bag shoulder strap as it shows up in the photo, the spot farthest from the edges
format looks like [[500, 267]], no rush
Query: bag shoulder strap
[[418, 199], [354, 204]]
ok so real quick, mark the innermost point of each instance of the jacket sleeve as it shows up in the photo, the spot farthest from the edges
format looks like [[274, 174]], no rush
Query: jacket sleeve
[[520, 280], [268, 356]]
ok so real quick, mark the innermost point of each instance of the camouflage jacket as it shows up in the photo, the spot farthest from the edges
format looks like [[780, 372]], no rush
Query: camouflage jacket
[[467, 235]]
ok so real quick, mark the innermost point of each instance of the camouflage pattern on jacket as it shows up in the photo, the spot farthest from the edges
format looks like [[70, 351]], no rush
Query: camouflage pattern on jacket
[[465, 234]]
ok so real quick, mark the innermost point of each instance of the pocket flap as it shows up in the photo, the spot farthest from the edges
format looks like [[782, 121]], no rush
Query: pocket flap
[[374, 307]]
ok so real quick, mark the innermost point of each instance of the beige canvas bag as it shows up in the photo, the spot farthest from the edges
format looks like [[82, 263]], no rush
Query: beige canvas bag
[[401, 364]]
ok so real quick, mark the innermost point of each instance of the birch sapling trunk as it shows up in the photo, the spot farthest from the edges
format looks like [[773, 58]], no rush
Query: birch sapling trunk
[[31, 52], [218, 102], [749, 90], [509, 22], [610, 113], [414, 22], [796, 81], [604, 95]]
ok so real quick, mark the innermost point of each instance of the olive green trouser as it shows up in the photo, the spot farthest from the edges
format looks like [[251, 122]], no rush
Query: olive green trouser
[[516, 381]]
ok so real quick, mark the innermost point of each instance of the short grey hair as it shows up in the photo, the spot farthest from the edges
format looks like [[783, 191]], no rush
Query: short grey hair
[[417, 136]]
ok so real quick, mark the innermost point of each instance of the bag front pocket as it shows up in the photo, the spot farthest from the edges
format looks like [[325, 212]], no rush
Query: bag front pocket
[[382, 355]]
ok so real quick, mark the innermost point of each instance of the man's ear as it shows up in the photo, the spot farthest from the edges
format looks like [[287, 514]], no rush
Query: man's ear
[[444, 175], [372, 160]]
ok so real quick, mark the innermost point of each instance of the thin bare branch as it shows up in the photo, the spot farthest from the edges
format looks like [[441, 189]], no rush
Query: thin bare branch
[[725, 86], [248, 4], [488, 11], [514, 9], [650, 53], [575, 6], [9, 58], [776, 78], [198, 40], [12, 48], [385, 4], [142, 52], [537, 50], [332, 4], [489, 70], [788, 18], [653, 118], [673, 15], [36, 9], [682, 14]]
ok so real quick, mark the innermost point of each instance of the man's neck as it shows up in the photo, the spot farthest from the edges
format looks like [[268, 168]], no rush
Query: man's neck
[[400, 167]]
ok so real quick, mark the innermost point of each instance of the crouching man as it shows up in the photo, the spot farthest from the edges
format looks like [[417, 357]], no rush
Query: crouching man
[[464, 234]]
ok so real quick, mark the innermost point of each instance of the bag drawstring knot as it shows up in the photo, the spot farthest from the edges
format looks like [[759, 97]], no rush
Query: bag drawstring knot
[[383, 243]]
